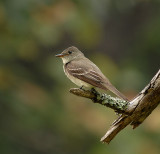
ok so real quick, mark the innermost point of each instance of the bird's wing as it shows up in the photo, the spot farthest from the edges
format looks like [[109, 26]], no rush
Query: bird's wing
[[90, 73], [84, 72]]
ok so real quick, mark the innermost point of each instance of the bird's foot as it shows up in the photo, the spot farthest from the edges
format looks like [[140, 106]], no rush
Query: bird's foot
[[96, 94], [81, 88], [93, 91]]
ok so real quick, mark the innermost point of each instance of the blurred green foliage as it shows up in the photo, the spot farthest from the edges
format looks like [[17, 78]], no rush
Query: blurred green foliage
[[37, 113]]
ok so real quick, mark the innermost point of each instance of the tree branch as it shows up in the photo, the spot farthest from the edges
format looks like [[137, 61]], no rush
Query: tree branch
[[133, 112], [117, 104]]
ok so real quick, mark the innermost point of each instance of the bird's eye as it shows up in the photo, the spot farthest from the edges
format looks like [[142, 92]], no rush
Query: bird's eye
[[69, 52]]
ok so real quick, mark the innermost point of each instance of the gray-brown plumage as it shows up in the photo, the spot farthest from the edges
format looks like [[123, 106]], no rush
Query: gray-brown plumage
[[83, 72]]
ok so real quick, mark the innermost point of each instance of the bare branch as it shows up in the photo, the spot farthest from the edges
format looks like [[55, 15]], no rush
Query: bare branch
[[134, 112]]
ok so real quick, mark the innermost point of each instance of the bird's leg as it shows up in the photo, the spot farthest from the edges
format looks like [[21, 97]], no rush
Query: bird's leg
[[81, 87], [93, 90]]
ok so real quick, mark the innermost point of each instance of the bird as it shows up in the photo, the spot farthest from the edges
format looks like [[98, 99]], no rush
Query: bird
[[84, 73]]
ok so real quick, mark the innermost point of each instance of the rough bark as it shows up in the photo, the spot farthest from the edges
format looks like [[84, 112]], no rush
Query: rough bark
[[133, 112], [117, 104]]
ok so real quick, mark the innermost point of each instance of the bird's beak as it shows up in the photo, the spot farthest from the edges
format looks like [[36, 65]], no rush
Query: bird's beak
[[61, 55]]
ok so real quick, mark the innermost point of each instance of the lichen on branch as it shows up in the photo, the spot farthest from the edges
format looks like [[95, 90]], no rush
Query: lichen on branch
[[133, 112], [117, 104]]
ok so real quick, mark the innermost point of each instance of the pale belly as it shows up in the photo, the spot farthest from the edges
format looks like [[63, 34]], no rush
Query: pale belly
[[78, 82]]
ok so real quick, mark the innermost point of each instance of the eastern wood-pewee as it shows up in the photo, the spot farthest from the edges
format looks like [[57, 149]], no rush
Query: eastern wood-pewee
[[81, 71]]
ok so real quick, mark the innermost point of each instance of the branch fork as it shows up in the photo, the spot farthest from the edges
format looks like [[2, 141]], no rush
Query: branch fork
[[133, 112]]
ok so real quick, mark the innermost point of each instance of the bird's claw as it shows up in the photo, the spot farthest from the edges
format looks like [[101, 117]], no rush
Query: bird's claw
[[93, 91], [81, 87]]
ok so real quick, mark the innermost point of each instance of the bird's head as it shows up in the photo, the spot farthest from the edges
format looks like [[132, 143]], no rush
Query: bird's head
[[70, 54]]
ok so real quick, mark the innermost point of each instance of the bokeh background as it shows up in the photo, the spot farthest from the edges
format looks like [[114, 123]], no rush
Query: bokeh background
[[38, 115]]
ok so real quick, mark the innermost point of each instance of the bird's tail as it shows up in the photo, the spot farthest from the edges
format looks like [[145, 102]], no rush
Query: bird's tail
[[116, 92]]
